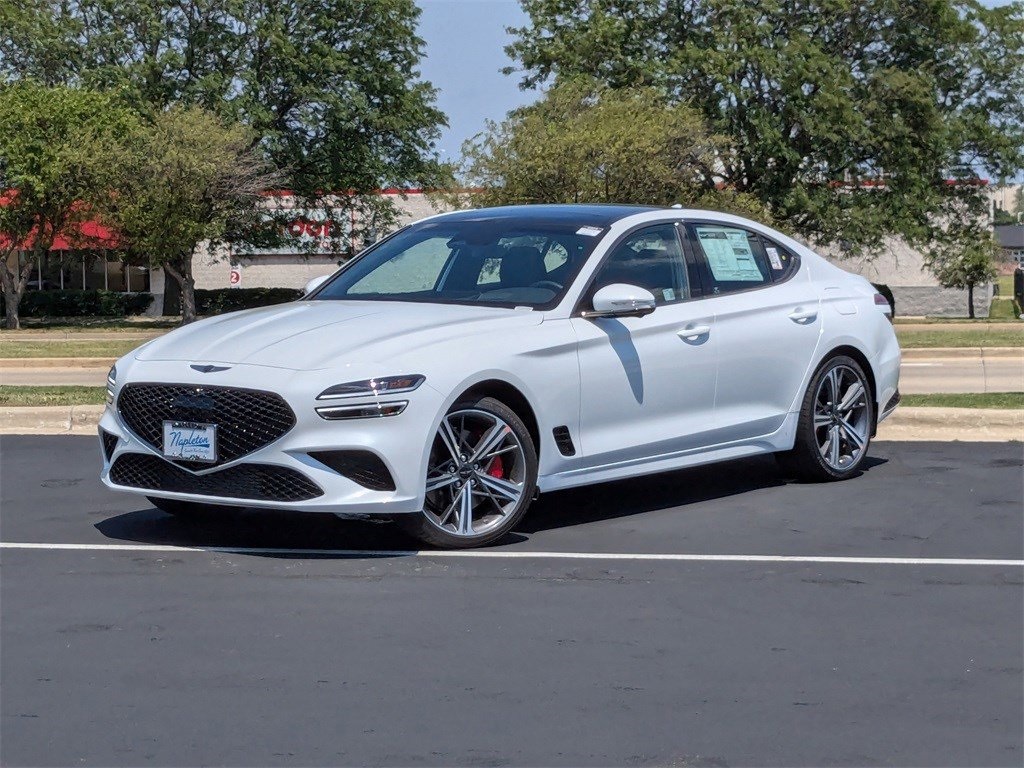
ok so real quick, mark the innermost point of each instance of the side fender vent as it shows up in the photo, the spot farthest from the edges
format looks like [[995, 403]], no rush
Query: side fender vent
[[564, 441]]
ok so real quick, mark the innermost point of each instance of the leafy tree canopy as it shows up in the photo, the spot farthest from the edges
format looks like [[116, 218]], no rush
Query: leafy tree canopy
[[57, 149], [187, 177], [589, 143], [848, 119], [329, 88], [966, 261]]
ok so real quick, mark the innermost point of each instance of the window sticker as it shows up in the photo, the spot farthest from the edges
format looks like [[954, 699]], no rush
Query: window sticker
[[729, 255], [669, 294], [773, 257], [589, 231]]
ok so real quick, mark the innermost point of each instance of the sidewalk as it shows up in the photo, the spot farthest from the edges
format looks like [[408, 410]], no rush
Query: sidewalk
[[50, 337], [921, 424]]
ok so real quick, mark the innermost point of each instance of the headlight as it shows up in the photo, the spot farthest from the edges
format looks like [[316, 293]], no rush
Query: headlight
[[388, 385], [369, 411], [111, 381]]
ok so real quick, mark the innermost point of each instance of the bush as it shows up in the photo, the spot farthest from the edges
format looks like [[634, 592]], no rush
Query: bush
[[83, 303], [220, 300], [886, 291]]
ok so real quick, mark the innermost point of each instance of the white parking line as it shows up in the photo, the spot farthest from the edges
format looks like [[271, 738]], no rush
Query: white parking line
[[518, 554]]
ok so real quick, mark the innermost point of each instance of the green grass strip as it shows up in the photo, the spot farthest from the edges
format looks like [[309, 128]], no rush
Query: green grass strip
[[112, 348], [1010, 400], [974, 337], [62, 395]]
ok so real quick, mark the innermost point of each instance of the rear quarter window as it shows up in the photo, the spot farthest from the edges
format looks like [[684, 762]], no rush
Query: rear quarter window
[[782, 262]]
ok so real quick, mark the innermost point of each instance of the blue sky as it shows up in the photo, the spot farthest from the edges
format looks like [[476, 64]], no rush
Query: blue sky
[[465, 41]]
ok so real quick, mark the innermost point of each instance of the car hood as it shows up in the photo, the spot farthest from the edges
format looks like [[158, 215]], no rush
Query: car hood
[[310, 335]]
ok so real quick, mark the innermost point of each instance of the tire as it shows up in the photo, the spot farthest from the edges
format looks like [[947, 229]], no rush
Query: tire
[[187, 509], [832, 438], [500, 486]]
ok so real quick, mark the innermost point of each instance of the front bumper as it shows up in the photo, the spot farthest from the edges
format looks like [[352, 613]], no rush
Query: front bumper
[[401, 442]]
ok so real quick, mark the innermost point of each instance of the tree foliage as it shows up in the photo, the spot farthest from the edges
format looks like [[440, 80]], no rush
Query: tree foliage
[[329, 88], [847, 119], [187, 177], [57, 149], [588, 143], [968, 260]]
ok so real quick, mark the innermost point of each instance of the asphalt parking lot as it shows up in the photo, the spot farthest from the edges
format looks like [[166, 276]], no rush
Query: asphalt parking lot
[[898, 640]]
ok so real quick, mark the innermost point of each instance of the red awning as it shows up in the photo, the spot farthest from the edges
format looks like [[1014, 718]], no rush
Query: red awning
[[84, 235]]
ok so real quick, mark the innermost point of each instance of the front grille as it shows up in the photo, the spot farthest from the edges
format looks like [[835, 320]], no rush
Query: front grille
[[362, 467], [246, 419], [259, 482]]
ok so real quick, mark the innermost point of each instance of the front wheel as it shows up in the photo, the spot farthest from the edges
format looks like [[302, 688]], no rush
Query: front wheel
[[834, 430], [481, 477]]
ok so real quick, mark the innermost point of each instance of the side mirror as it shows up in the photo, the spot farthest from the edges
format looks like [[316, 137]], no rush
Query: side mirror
[[313, 284], [621, 300]]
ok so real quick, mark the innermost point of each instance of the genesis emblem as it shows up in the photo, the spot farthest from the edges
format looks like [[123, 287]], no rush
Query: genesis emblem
[[209, 368]]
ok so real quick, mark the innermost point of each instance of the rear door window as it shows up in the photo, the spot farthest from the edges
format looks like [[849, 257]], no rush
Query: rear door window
[[733, 259]]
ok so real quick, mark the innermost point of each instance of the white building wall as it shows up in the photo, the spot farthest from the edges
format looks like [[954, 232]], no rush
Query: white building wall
[[212, 269], [914, 287]]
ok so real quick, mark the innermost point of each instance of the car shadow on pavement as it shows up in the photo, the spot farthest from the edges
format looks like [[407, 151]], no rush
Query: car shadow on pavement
[[268, 529], [652, 493]]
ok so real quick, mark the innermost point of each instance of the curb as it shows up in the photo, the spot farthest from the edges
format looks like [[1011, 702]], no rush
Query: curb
[[907, 423], [57, 362], [982, 425], [50, 420]]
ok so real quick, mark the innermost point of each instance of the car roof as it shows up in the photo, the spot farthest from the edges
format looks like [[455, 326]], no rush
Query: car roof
[[598, 215]]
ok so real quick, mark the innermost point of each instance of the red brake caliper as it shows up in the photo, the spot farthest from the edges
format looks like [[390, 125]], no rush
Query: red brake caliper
[[497, 468]]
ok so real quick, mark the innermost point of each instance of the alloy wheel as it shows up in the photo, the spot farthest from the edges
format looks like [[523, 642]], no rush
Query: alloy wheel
[[841, 417], [476, 475]]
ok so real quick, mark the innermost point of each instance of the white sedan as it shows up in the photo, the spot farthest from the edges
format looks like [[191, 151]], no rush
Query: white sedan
[[471, 360]]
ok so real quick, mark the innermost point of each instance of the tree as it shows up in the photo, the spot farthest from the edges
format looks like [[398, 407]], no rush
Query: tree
[[1001, 217], [588, 143], [57, 146], [329, 88], [187, 177], [959, 266], [848, 120]]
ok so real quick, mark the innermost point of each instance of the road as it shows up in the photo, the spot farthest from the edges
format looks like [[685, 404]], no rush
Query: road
[[967, 372], [975, 372], [132, 649]]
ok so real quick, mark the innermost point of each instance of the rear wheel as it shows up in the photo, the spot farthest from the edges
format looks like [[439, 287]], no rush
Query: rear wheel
[[834, 430], [481, 477]]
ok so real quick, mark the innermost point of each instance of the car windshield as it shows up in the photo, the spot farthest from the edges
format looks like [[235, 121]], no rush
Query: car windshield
[[494, 263]]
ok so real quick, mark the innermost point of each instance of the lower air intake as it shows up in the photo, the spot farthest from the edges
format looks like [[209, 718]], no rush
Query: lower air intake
[[361, 467], [258, 482], [109, 443]]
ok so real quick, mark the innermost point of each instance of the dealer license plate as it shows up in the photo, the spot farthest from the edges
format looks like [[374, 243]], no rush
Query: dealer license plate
[[190, 441]]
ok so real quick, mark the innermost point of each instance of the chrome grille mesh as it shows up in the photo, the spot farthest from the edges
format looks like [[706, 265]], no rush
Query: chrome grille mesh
[[246, 419]]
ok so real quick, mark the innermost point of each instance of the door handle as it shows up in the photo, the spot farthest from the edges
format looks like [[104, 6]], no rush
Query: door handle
[[803, 315], [694, 332]]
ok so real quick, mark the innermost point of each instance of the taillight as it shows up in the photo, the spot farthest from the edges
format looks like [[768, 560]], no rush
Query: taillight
[[881, 301]]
